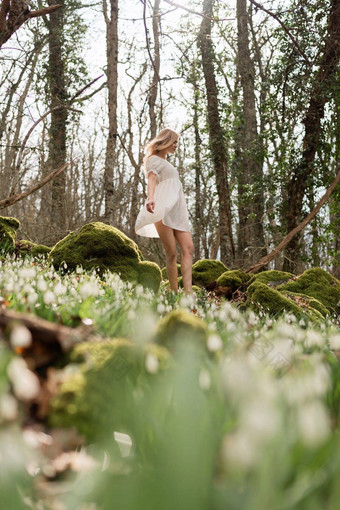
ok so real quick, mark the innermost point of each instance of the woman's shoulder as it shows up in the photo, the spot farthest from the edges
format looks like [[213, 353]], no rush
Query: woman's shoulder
[[155, 161]]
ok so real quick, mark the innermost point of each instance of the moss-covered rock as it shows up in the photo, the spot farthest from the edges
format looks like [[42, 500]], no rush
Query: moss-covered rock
[[180, 328], [318, 284], [101, 394], [25, 247], [101, 246], [232, 280], [274, 278], [8, 233], [271, 301], [206, 271], [307, 302]]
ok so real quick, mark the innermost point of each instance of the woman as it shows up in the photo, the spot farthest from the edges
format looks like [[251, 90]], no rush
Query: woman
[[165, 213]]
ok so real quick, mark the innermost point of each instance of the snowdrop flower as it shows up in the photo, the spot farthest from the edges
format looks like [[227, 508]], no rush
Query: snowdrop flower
[[290, 318], [59, 289], [252, 319], [88, 289], [27, 273], [260, 419], [161, 308], [8, 408], [25, 383], [49, 297], [151, 363], [239, 450], [314, 339], [131, 315], [214, 343], [237, 376], [42, 284], [334, 342], [20, 337], [313, 423], [204, 380]]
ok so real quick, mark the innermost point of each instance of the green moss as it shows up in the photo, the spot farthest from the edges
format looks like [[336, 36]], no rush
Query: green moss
[[179, 328], [270, 300], [318, 284], [232, 280], [101, 246], [101, 395], [272, 277], [306, 302], [25, 247], [207, 271], [8, 233]]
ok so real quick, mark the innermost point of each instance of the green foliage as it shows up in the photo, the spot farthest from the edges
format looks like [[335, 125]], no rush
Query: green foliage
[[207, 271], [101, 246]]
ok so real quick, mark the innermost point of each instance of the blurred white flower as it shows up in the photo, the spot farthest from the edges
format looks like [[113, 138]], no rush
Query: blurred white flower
[[124, 442], [151, 363], [313, 423], [290, 318], [237, 376], [161, 308], [131, 315], [314, 339], [88, 289], [27, 273], [59, 289], [239, 450], [139, 291], [214, 343], [49, 297], [334, 342], [42, 284], [25, 383], [260, 419], [20, 337], [8, 408], [204, 379], [79, 270]]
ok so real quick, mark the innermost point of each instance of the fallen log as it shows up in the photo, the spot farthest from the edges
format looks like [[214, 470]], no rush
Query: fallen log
[[273, 254]]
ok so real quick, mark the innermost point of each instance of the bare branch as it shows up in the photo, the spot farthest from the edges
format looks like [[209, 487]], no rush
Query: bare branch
[[288, 32], [178, 6], [16, 198]]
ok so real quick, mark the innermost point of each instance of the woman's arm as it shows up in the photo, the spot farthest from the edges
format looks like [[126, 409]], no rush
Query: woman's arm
[[150, 204]]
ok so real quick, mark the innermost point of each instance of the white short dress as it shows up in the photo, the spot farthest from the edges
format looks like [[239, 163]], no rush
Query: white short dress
[[170, 205]]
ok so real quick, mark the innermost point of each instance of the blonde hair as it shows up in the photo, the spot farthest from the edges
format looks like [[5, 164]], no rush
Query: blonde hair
[[164, 139]]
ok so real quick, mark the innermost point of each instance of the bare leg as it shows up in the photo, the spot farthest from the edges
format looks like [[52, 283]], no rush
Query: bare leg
[[168, 240], [184, 239]]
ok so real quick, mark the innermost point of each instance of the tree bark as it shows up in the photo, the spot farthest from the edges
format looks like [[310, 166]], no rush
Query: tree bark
[[111, 20], [216, 137], [298, 183], [250, 175], [13, 13], [156, 61], [57, 131]]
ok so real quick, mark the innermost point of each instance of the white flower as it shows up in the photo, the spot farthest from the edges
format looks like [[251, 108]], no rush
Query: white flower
[[8, 408], [314, 339], [59, 289], [20, 337], [89, 288], [124, 442], [204, 379], [334, 342], [25, 383], [290, 318], [49, 297], [79, 270], [139, 291], [131, 315], [42, 284], [151, 363], [214, 343], [27, 273], [260, 419], [239, 450], [161, 308], [313, 423]]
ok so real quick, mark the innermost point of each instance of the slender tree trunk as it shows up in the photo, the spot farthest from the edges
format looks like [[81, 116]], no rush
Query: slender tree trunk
[[57, 138], [216, 137], [111, 20], [250, 178], [298, 183], [152, 98], [198, 198]]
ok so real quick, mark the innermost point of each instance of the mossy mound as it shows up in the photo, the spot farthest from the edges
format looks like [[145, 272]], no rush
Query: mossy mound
[[232, 280], [164, 274], [273, 302], [180, 328], [207, 271], [102, 394], [101, 246], [307, 302], [273, 277], [318, 284], [25, 247], [8, 233]]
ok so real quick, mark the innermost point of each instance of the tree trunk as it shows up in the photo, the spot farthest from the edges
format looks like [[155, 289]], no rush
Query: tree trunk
[[298, 183], [111, 20], [216, 137], [156, 67], [57, 133], [250, 176]]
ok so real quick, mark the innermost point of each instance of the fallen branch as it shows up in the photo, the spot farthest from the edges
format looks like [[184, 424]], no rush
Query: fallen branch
[[17, 197], [272, 255]]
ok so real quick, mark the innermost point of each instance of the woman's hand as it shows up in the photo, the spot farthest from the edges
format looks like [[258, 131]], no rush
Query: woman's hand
[[150, 205]]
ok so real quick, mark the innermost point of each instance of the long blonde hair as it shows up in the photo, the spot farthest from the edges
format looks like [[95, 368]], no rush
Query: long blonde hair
[[164, 139]]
